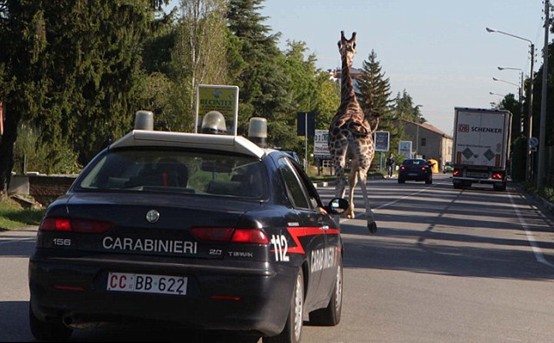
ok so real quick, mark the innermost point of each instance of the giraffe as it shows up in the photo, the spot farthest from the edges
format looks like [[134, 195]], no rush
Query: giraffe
[[350, 135]]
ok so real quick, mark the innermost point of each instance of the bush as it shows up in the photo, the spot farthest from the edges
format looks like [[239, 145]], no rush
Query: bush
[[31, 153]]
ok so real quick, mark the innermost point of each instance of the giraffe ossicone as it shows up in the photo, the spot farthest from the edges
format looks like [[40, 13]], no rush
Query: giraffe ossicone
[[351, 137]]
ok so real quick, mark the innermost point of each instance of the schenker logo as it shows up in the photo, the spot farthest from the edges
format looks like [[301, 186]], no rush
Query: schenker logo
[[149, 245], [467, 128]]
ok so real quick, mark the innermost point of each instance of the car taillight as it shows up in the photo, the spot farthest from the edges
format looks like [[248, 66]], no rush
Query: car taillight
[[456, 172], [423, 168], [497, 176], [74, 225], [255, 236], [402, 168]]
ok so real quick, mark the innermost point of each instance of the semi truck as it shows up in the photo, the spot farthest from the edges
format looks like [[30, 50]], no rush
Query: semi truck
[[481, 147]]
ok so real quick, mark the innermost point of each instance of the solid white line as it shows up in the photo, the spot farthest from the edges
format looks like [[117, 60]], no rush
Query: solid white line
[[539, 256]]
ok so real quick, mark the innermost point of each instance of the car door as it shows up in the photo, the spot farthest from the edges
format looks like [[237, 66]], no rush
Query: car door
[[323, 237], [329, 258]]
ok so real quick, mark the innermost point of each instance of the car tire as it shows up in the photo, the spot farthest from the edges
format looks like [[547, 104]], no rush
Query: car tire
[[330, 316], [429, 181], [400, 180], [54, 331], [292, 333]]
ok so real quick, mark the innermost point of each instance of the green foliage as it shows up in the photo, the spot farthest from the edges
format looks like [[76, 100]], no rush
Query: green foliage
[[33, 154], [518, 158], [374, 88]]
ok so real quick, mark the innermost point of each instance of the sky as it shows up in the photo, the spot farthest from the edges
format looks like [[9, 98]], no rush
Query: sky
[[438, 51]]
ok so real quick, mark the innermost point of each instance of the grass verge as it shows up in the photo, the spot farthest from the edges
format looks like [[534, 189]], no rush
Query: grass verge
[[14, 216]]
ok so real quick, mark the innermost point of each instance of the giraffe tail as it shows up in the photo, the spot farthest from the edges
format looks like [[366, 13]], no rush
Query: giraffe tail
[[376, 125]]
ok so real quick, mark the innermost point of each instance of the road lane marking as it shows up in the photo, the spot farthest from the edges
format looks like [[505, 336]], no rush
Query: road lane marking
[[539, 256]]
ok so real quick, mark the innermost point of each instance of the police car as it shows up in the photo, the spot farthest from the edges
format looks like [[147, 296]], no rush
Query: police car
[[195, 230]]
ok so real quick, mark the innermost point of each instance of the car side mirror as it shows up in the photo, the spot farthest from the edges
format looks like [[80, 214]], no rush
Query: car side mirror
[[337, 206]]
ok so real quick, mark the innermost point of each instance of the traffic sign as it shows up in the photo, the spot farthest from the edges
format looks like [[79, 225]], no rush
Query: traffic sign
[[381, 139], [533, 142]]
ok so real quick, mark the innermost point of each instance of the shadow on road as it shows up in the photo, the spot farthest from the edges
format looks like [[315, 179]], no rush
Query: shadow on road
[[473, 232]]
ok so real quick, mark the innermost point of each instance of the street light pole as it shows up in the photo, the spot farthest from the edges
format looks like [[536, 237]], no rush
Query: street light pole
[[528, 165], [521, 88]]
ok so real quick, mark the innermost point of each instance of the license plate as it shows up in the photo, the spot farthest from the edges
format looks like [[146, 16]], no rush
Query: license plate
[[147, 283], [477, 174]]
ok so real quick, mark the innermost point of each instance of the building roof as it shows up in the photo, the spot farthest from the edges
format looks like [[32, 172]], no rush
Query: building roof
[[429, 127]]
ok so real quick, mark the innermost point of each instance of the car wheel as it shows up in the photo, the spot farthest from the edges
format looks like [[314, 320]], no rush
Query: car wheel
[[292, 332], [429, 181], [401, 180], [48, 330], [330, 316]]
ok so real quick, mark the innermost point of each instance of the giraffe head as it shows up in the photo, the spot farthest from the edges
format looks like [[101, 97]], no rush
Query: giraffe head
[[347, 47]]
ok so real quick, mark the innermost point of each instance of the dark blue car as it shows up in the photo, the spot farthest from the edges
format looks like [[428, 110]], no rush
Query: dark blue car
[[415, 169], [192, 230]]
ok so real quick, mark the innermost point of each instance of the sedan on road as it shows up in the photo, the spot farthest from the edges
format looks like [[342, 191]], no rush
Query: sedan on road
[[194, 230], [415, 169]]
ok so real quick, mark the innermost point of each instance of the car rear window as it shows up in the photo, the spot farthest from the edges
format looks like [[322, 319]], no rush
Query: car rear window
[[179, 171]]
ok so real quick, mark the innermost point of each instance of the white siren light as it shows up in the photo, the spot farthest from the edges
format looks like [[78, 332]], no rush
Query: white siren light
[[144, 120], [257, 131]]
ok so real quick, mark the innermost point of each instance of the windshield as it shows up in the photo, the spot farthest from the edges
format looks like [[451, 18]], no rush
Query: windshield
[[180, 171]]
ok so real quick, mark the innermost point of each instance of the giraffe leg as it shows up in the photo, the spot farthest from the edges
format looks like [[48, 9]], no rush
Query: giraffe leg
[[352, 179], [371, 224]]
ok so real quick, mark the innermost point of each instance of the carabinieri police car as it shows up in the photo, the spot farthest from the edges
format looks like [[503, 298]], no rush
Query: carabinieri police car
[[195, 230]]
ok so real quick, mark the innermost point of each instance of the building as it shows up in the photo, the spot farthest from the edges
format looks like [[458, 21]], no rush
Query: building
[[429, 142]]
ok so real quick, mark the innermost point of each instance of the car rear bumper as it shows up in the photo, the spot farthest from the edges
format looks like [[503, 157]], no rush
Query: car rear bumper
[[217, 298], [418, 177]]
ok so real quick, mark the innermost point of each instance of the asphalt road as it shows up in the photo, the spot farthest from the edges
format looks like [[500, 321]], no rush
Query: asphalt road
[[445, 266]]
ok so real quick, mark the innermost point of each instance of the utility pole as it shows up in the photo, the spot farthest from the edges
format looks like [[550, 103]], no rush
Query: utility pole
[[542, 132], [528, 158]]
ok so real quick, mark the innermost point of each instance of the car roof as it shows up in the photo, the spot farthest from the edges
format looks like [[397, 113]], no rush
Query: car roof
[[227, 143]]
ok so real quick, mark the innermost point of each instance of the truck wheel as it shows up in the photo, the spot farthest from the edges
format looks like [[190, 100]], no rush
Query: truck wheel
[[292, 333], [48, 330], [330, 316]]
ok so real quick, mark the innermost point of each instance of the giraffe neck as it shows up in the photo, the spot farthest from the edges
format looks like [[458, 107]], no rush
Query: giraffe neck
[[347, 90]]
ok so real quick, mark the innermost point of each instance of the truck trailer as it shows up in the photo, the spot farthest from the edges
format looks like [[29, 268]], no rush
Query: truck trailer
[[481, 147]]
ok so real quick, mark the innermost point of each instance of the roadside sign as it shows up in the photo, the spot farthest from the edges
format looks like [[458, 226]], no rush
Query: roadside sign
[[224, 99], [533, 142], [321, 150], [405, 148], [382, 140]]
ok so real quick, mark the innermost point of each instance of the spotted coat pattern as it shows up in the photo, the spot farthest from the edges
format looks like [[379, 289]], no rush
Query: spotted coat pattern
[[350, 134]]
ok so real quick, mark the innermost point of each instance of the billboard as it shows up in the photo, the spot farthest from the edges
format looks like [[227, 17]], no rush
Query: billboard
[[224, 99]]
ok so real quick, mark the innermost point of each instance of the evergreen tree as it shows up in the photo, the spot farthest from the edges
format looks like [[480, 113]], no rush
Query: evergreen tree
[[373, 88], [263, 81], [374, 96], [73, 74], [405, 109]]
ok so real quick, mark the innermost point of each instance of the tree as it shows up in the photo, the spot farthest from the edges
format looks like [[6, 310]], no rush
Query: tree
[[22, 40], [263, 81], [199, 54], [373, 88], [71, 69]]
